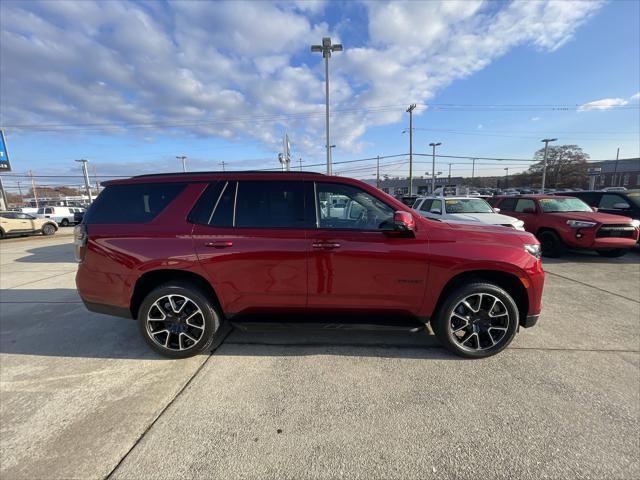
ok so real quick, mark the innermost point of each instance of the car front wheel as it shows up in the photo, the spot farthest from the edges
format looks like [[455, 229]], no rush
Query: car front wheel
[[48, 229], [551, 244], [178, 320], [477, 320]]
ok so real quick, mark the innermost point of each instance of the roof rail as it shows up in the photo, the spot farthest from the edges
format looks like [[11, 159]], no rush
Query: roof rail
[[227, 172]]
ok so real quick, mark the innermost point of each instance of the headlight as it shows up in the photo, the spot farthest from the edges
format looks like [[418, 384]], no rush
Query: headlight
[[635, 223], [533, 249], [580, 224]]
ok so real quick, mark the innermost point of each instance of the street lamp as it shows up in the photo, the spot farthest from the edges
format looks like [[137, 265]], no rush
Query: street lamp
[[506, 180], [85, 173], [433, 166], [183, 158], [326, 48], [544, 162]]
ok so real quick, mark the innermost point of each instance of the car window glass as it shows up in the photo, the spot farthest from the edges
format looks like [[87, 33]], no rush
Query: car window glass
[[608, 200], [525, 203], [132, 203], [436, 206], [8, 215], [48, 210], [426, 205], [335, 202], [507, 204], [270, 204], [23, 216]]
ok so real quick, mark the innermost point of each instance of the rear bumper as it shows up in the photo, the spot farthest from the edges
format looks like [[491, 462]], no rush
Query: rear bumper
[[530, 321]]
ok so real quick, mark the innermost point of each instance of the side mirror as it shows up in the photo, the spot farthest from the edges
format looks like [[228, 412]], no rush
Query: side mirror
[[403, 221], [529, 210], [595, 209], [497, 210], [621, 206]]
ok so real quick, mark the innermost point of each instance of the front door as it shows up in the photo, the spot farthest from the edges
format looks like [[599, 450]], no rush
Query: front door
[[353, 264], [250, 237]]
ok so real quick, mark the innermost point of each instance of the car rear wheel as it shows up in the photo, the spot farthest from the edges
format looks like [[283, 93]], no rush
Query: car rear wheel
[[178, 320], [48, 229], [64, 222], [612, 253], [477, 320], [551, 244]]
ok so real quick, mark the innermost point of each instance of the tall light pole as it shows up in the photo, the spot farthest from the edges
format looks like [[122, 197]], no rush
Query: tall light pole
[[433, 166], [544, 161], [410, 110], [506, 181], [183, 158], [378, 172], [326, 48], [473, 168], [85, 173], [450, 172]]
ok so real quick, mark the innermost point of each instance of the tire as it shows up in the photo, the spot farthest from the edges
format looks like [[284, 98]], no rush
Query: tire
[[551, 244], [178, 341], [48, 229], [1, 233], [64, 222], [470, 331], [612, 253]]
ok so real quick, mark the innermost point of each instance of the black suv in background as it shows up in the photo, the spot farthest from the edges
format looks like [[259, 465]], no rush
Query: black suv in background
[[626, 204]]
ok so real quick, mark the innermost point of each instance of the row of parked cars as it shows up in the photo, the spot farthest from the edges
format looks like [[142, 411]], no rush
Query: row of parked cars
[[604, 221], [43, 220]]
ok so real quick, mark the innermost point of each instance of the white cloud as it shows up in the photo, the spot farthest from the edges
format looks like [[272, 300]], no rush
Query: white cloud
[[635, 97], [603, 104], [242, 69], [535, 119]]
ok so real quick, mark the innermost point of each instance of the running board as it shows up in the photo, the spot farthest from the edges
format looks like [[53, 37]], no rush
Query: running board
[[300, 326]]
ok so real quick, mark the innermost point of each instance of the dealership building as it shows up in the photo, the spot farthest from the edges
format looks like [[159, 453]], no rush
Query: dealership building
[[618, 173]]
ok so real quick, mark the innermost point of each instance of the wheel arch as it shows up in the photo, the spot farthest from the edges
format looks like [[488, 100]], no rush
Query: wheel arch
[[154, 278], [505, 280]]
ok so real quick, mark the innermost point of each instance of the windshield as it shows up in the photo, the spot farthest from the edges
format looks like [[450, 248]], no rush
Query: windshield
[[550, 205], [634, 196], [467, 205]]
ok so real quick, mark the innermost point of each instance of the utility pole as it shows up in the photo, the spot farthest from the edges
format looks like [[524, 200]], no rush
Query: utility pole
[[506, 180], [33, 188], [410, 110], [473, 168], [95, 179], [378, 172], [615, 169], [433, 167], [300, 160], [85, 173], [544, 161], [183, 158], [326, 48], [450, 173], [19, 188], [222, 163]]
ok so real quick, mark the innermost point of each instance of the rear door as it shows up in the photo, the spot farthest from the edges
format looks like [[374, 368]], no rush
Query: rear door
[[354, 265], [250, 237], [8, 222], [609, 202]]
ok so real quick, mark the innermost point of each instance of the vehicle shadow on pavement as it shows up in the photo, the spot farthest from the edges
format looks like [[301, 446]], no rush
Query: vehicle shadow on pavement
[[587, 256], [58, 325], [50, 254]]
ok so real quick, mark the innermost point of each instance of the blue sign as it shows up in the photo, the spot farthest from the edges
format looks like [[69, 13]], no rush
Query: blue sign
[[5, 165]]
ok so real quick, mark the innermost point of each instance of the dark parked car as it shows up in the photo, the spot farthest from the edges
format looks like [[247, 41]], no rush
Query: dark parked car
[[626, 204], [185, 254], [561, 221]]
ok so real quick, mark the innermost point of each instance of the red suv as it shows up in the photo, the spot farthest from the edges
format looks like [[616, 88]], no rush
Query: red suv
[[560, 222], [189, 254]]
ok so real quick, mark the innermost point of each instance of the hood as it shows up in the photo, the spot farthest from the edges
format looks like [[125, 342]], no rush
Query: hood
[[486, 218], [493, 234], [592, 217]]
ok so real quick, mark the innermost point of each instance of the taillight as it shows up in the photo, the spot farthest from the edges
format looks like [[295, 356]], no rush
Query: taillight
[[80, 238]]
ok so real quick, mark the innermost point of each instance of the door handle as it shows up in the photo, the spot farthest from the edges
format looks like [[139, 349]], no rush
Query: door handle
[[219, 244], [325, 245]]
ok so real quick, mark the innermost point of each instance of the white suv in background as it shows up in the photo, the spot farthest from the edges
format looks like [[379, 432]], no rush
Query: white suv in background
[[471, 210], [62, 215]]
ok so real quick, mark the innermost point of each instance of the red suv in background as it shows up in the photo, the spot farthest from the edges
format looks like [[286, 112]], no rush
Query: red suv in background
[[560, 222], [185, 253]]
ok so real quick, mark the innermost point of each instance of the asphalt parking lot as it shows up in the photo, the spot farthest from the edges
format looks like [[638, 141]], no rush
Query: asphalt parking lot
[[81, 395]]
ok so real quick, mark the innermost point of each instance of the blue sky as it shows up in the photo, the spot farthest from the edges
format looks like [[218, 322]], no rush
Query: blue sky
[[130, 85]]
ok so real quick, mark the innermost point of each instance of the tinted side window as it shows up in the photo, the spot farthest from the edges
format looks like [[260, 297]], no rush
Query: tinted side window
[[336, 202], [525, 203], [269, 204], [426, 205], [608, 200], [48, 210], [215, 206], [507, 204], [8, 215], [134, 203]]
